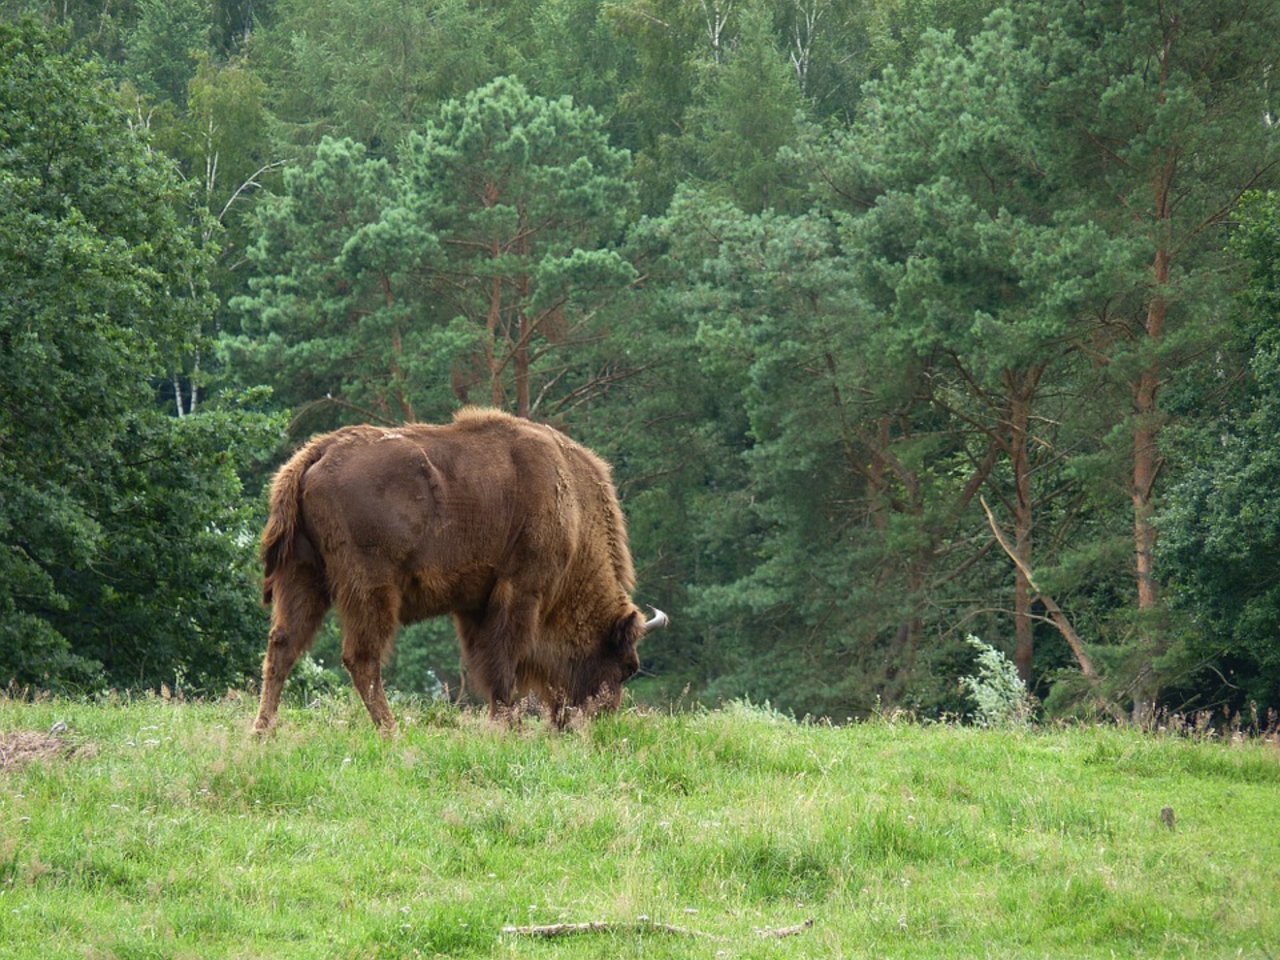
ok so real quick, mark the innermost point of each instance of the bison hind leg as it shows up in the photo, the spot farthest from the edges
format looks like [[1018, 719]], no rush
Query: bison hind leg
[[369, 625], [300, 599]]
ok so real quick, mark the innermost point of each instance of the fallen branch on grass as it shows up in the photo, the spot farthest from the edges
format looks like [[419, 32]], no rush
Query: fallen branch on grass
[[777, 933], [640, 925]]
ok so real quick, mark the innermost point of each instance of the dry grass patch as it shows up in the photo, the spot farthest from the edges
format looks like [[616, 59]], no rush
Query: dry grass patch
[[21, 747]]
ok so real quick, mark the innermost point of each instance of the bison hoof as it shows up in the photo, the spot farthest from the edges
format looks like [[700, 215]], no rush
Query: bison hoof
[[263, 728]]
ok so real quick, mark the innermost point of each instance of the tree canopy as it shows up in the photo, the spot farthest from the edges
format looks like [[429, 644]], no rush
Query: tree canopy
[[120, 526], [900, 322]]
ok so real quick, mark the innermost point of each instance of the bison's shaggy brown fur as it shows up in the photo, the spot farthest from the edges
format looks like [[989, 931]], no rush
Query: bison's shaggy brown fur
[[508, 525]]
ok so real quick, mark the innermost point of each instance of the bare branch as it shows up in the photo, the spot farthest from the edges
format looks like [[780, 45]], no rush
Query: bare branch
[[251, 182], [1217, 216], [330, 400], [600, 382]]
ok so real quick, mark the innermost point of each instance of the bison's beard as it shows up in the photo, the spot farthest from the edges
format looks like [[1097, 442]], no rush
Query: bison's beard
[[605, 700], [594, 686], [567, 714], [596, 694]]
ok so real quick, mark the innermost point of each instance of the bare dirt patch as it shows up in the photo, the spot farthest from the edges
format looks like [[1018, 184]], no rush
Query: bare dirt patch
[[21, 747]]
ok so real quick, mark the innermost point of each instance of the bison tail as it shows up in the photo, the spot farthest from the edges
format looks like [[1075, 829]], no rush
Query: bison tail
[[281, 532]]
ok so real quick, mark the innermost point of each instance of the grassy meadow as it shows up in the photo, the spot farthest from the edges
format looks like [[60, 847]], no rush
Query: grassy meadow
[[162, 830]]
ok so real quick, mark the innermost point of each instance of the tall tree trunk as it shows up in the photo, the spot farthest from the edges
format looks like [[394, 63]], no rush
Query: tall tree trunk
[[195, 381], [877, 481], [496, 391], [1023, 625], [397, 350], [523, 408], [524, 325], [493, 322], [1146, 408], [1146, 469], [909, 633]]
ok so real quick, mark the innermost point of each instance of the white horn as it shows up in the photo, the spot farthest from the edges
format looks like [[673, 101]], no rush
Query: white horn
[[657, 621]]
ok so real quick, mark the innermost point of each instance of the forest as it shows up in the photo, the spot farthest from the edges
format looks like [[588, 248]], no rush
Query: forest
[[901, 322]]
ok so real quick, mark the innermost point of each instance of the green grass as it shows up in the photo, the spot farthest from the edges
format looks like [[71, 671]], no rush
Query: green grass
[[169, 832]]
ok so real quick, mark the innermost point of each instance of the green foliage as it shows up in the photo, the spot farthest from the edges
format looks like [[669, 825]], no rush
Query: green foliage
[[105, 25], [1221, 532], [573, 48], [227, 127], [163, 45], [978, 191], [808, 587], [234, 22], [297, 323], [475, 260], [749, 104], [162, 829], [123, 531], [372, 71], [528, 198], [174, 587], [900, 255], [312, 682]]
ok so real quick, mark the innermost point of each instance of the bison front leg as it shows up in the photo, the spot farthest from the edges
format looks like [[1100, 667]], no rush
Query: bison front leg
[[368, 631], [299, 603], [490, 667], [491, 642]]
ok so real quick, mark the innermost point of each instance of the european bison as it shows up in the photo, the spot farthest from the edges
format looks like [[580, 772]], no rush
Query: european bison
[[506, 524]]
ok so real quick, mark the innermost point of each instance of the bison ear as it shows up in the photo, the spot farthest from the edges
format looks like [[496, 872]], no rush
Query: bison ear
[[626, 632]]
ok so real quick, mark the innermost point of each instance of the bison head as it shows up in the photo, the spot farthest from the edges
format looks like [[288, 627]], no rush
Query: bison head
[[598, 678]]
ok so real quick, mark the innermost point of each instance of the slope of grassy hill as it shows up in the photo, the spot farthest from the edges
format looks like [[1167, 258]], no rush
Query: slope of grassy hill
[[157, 829]]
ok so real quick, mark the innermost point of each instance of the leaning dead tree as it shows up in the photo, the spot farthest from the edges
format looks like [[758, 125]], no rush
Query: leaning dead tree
[[1055, 612]]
